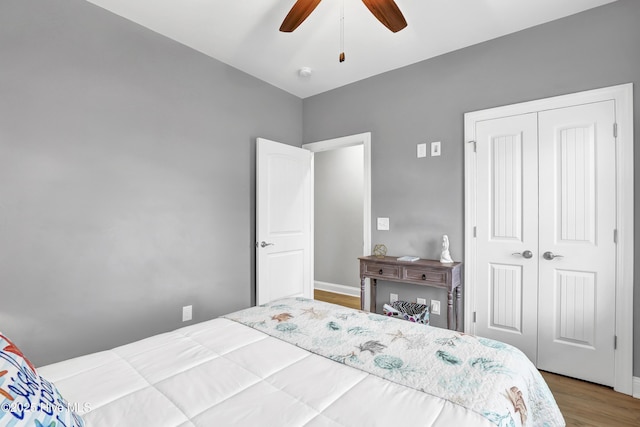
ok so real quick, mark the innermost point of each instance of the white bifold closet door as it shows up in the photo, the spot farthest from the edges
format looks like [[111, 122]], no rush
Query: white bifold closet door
[[546, 215]]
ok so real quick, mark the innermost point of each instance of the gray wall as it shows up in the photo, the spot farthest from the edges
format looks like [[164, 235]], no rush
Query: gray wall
[[426, 101], [126, 178], [127, 161], [338, 220]]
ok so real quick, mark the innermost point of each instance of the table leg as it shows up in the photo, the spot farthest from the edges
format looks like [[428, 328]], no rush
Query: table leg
[[459, 326], [372, 305], [449, 309], [362, 281]]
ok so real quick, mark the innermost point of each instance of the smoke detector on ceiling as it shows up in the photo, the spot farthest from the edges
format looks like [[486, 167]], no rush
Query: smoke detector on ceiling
[[304, 72]]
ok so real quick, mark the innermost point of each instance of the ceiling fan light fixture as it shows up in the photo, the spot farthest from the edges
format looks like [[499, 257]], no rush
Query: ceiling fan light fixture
[[305, 72]]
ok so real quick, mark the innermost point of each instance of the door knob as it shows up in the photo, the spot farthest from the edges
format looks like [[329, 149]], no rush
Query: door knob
[[550, 255], [524, 254], [265, 244]]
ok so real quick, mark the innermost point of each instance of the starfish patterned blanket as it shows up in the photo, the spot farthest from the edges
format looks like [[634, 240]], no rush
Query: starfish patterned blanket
[[491, 378]]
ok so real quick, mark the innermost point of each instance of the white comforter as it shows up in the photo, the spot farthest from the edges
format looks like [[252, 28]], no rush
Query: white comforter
[[223, 373]]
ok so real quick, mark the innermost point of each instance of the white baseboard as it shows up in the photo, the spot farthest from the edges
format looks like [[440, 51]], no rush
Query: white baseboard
[[636, 387], [338, 289]]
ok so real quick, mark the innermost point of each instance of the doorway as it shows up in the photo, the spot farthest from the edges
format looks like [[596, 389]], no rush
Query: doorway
[[547, 195], [342, 211]]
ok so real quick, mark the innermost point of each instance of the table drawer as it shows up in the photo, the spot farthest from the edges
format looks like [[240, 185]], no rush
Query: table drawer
[[431, 276], [382, 270]]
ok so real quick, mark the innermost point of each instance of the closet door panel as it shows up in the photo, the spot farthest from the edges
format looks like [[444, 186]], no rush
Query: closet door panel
[[577, 222], [507, 231]]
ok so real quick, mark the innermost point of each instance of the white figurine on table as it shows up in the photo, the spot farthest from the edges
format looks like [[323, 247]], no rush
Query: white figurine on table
[[445, 257]]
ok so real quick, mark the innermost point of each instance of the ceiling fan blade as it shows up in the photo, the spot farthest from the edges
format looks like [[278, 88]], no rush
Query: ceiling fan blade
[[298, 13], [388, 13]]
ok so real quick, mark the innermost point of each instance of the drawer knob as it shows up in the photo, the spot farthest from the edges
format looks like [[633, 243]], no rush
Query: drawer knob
[[380, 272], [424, 277]]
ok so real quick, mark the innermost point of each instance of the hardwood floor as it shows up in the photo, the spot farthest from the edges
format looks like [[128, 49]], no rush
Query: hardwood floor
[[587, 404], [582, 404], [340, 299]]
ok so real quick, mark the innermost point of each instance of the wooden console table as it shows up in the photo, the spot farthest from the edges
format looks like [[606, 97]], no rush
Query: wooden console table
[[422, 272]]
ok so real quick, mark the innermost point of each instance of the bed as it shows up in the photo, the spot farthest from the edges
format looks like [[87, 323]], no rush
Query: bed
[[292, 362]]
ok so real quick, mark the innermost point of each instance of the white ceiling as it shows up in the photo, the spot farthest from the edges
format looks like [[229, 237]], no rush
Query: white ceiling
[[244, 33]]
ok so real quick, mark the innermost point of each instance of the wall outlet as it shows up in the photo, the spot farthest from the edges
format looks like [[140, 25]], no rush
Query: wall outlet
[[187, 313], [435, 306], [393, 297], [421, 301]]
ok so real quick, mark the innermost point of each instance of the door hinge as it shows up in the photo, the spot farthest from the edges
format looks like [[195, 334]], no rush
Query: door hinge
[[475, 231], [474, 317], [615, 342], [475, 145], [615, 236], [615, 130]]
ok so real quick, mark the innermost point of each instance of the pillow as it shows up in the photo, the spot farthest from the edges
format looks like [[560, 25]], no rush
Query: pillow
[[27, 399]]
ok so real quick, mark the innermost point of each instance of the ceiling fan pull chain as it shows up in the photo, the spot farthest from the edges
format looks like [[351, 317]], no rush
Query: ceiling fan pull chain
[[342, 32]]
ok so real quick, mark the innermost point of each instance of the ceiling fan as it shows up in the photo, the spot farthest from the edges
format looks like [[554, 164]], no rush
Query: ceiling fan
[[386, 11]]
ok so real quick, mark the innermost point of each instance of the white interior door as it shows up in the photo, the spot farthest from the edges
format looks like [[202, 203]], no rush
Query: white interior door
[[507, 231], [284, 197], [546, 256], [585, 197], [577, 223]]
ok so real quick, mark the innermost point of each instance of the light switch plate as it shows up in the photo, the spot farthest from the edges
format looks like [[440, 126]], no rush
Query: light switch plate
[[422, 150], [435, 148], [393, 298], [383, 223], [422, 301]]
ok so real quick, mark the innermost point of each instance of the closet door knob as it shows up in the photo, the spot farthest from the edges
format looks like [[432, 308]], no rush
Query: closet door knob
[[524, 254], [550, 255]]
